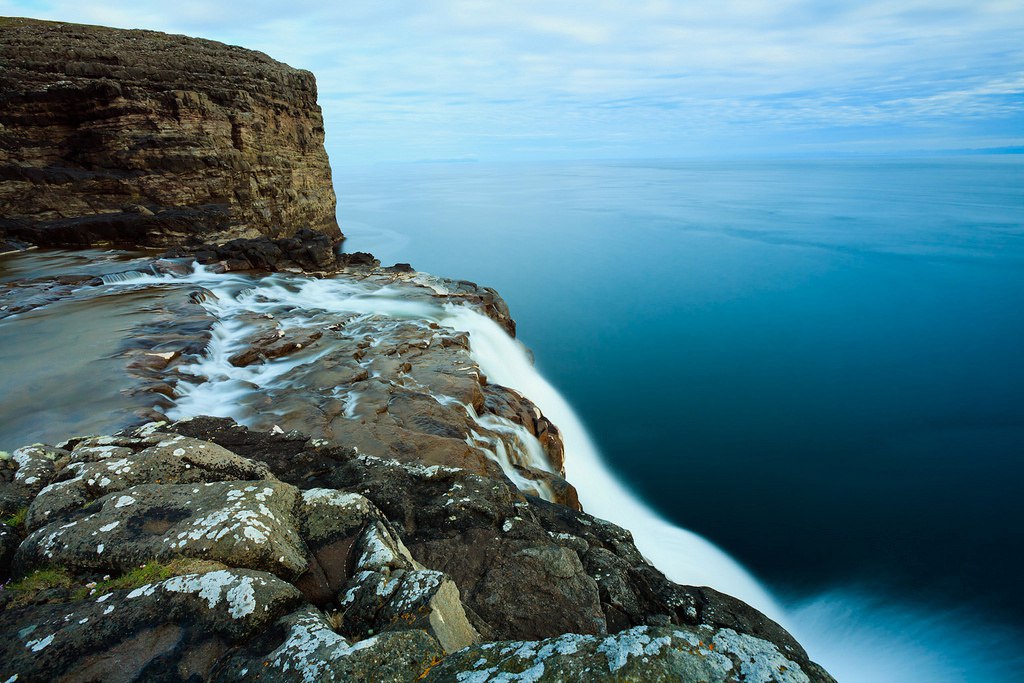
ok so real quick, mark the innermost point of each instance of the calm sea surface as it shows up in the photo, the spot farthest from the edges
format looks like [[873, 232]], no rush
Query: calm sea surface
[[817, 365]]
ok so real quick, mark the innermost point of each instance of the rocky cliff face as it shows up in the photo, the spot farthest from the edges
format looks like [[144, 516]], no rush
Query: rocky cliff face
[[143, 138]]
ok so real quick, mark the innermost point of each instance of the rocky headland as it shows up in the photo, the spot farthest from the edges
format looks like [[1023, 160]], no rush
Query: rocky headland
[[368, 506], [143, 138]]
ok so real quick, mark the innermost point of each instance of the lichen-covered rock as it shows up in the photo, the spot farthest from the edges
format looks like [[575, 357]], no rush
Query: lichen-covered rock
[[423, 599], [103, 465], [390, 591], [171, 630], [384, 556], [311, 652], [525, 568], [639, 654], [36, 467], [144, 138], [239, 523]]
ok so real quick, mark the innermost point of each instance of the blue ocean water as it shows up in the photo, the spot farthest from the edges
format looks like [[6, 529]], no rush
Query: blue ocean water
[[818, 365]]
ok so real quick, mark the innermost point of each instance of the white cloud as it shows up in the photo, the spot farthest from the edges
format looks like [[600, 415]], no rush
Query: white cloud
[[422, 76]]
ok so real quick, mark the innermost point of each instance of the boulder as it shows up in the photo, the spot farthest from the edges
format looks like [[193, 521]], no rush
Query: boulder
[[240, 523], [170, 630], [97, 467], [302, 647]]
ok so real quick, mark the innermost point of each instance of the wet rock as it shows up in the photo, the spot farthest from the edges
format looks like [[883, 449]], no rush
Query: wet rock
[[306, 250], [8, 246], [170, 630], [359, 260], [274, 345], [512, 405]]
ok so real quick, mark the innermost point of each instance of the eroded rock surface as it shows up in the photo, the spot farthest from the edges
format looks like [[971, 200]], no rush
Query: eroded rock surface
[[144, 138]]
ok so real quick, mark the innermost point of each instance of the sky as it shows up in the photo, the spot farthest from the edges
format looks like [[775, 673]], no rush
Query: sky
[[602, 79]]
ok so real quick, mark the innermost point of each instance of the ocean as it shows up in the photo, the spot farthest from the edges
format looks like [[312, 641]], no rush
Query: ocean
[[814, 364]]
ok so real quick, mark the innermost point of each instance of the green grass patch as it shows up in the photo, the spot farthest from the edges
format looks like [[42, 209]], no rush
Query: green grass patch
[[151, 572], [17, 520], [26, 589]]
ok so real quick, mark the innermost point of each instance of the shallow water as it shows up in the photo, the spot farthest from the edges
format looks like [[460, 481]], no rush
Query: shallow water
[[814, 364]]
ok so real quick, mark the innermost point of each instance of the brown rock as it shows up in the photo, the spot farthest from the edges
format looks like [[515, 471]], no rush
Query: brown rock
[[138, 137]]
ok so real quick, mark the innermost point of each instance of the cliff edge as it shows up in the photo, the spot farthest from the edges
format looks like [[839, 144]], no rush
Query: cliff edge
[[143, 138]]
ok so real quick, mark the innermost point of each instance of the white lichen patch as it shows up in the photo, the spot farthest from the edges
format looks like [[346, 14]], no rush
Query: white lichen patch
[[312, 647], [124, 501], [759, 660], [417, 589], [382, 551], [237, 591], [341, 499], [149, 429], [564, 645], [40, 644], [634, 642]]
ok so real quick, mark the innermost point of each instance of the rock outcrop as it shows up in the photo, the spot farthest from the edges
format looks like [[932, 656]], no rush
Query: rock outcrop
[[202, 550], [143, 138]]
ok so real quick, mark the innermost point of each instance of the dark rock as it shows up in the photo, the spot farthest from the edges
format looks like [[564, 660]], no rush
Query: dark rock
[[407, 559], [359, 259], [170, 630], [10, 539], [302, 647], [527, 568], [306, 250]]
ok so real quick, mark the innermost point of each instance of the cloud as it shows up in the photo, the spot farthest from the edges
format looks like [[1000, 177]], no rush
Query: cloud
[[452, 78]]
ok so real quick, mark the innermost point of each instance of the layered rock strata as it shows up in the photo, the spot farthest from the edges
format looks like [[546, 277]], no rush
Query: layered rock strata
[[144, 138]]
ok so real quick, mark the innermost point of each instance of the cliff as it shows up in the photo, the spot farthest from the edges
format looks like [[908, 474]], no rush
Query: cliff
[[144, 138]]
